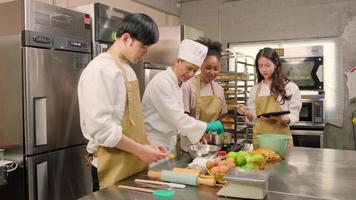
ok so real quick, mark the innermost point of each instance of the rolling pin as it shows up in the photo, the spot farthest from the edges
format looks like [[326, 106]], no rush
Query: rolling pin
[[192, 171], [181, 177], [186, 170]]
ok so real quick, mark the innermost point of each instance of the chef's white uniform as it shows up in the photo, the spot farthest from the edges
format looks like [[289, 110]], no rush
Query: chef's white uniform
[[163, 111]]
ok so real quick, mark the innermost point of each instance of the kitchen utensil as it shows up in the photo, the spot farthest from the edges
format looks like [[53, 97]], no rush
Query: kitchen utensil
[[156, 193], [181, 177], [275, 142], [271, 114], [160, 183], [227, 138], [216, 139], [187, 170], [247, 184], [203, 150]]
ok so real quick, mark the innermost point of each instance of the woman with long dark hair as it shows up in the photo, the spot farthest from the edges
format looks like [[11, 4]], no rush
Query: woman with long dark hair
[[273, 93]]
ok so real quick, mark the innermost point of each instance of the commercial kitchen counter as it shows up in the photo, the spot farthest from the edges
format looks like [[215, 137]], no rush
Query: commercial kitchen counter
[[307, 173]]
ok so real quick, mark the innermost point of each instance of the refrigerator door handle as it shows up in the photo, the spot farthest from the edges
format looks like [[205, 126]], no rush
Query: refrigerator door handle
[[37, 177], [42, 180], [40, 120]]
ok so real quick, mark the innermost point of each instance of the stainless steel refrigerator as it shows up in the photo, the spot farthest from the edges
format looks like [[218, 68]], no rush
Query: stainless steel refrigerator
[[43, 50], [106, 20], [164, 53]]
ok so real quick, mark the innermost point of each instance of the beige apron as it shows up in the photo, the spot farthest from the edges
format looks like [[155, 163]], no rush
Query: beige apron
[[266, 104], [211, 111], [211, 105], [115, 164]]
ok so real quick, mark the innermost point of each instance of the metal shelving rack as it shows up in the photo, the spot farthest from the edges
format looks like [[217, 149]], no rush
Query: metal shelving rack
[[236, 78]]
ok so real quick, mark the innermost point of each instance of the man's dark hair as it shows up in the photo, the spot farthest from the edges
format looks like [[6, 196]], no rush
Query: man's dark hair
[[140, 27]]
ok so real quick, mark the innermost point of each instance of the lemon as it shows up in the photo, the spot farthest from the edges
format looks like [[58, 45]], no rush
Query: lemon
[[171, 156]]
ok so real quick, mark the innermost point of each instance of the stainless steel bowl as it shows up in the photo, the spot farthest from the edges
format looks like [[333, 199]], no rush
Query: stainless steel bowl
[[203, 150]]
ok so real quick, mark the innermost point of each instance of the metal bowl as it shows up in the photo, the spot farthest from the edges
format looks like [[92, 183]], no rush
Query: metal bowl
[[203, 150]]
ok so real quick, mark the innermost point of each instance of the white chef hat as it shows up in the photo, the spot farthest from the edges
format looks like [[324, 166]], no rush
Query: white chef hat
[[192, 52]]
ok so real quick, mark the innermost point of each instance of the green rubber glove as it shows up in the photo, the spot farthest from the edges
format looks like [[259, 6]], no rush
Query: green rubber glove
[[215, 126]]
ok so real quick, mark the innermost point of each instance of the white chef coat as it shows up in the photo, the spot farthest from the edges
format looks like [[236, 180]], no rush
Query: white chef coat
[[102, 99], [189, 94], [293, 105], [163, 111]]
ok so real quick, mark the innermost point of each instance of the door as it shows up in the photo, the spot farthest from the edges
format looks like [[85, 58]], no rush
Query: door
[[307, 72], [58, 175], [308, 137], [51, 100]]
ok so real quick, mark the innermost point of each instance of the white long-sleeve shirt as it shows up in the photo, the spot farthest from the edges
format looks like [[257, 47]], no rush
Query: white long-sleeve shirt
[[102, 98], [163, 111], [293, 105]]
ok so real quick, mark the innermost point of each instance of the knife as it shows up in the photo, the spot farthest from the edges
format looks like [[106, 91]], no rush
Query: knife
[[173, 185]]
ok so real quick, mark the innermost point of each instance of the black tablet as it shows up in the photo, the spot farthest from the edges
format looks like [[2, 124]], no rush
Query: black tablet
[[274, 114]]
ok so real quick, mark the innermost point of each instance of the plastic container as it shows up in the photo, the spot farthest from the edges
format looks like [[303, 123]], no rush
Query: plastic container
[[275, 142]]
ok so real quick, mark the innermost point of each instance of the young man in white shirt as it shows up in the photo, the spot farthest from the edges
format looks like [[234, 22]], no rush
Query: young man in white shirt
[[109, 103]]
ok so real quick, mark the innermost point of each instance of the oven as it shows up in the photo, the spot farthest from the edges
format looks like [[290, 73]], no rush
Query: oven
[[304, 66], [305, 72], [313, 138], [309, 130], [312, 111]]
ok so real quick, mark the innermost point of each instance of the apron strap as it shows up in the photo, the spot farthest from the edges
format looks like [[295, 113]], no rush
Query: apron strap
[[258, 90], [197, 93], [128, 88], [197, 101]]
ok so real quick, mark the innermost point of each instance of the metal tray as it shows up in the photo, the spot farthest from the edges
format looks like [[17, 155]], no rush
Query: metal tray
[[250, 176]]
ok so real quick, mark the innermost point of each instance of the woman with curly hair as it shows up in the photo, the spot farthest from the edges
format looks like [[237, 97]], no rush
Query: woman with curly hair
[[203, 98], [273, 93]]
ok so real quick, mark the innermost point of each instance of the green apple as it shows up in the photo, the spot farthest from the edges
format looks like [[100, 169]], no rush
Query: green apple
[[231, 154], [258, 157], [242, 153], [240, 160], [249, 165]]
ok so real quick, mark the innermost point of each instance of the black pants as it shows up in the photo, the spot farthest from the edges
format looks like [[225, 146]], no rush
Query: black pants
[[94, 177]]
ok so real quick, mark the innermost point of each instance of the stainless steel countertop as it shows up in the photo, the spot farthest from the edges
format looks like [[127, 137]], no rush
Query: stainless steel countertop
[[307, 173]]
